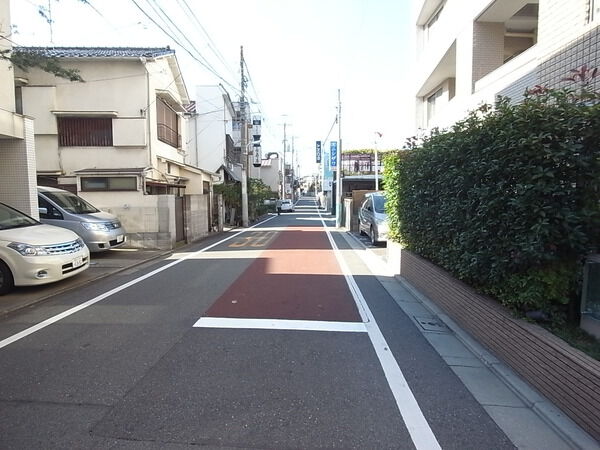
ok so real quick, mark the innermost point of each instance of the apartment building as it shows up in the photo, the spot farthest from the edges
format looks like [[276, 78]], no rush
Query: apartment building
[[17, 146], [469, 52]]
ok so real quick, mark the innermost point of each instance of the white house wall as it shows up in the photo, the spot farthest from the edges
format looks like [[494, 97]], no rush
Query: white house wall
[[212, 123]]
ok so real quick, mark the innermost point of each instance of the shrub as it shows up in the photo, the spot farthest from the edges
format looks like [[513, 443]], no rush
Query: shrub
[[506, 199]]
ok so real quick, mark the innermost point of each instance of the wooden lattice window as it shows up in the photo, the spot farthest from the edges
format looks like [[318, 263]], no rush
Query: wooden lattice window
[[85, 132]]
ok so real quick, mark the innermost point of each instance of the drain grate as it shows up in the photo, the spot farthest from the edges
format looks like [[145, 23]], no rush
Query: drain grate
[[430, 324]]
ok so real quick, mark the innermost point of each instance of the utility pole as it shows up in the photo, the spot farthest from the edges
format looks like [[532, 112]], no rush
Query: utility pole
[[284, 150], [243, 145], [293, 172], [338, 175]]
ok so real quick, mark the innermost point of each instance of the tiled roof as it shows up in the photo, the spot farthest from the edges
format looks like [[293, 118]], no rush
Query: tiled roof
[[99, 52]]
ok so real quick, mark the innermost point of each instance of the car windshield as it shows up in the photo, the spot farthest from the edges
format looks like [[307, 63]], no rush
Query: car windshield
[[71, 202], [11, 218], [379, 203]]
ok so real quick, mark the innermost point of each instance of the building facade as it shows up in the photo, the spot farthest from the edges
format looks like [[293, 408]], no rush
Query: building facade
[[118, 139], [468, 53], [17, 145]]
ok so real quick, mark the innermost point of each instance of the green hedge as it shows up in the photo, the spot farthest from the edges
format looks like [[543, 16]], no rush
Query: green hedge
[[507, 199]]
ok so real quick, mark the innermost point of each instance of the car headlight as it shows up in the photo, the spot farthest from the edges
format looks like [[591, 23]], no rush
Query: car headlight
[[28, 250], [95, 226]]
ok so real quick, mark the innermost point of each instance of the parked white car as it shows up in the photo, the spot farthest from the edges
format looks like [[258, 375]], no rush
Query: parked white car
[[32, 253], [287, 205]]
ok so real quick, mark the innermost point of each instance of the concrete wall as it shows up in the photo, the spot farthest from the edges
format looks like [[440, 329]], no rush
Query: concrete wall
[[149, 220], [196, 216]]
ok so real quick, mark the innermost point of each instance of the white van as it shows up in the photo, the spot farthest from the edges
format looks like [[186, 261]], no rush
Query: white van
[[32, 253]]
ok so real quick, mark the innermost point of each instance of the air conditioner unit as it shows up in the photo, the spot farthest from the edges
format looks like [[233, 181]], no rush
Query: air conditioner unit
[[590, 296]]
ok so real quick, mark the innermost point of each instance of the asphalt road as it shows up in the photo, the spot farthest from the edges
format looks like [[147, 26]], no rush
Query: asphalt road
[[276, 337]]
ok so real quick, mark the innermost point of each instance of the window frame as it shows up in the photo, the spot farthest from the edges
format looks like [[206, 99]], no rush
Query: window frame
[[83, 131], [167, 132], [107, 188]]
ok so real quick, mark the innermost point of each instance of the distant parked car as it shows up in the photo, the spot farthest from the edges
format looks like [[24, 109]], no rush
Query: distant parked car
[[32, 253], [99, 230], [287, 205], [372, 219]]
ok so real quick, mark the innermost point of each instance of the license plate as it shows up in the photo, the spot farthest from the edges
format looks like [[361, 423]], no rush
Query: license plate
[[120, 238], [77, 262]]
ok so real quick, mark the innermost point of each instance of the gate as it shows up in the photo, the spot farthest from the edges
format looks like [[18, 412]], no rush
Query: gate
[[179, 220]]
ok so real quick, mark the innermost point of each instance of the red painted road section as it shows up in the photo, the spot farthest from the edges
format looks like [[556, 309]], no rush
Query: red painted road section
[[296, 278]]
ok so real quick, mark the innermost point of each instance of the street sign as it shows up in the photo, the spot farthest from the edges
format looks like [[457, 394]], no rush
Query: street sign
[[256, 155], [333, 158], [318, 152]]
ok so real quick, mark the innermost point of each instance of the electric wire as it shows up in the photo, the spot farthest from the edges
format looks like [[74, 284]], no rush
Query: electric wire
[[210, 69], [211, 44]]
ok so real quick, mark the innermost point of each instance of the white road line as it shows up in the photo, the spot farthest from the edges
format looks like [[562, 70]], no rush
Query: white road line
[[54, 319], [280, 324], [420, 431]]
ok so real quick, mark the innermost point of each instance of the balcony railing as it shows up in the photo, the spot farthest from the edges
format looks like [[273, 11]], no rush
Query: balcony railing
[[169, 136]]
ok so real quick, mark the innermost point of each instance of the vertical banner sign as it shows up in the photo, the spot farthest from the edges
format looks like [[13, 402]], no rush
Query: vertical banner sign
[[318, 152], [333, 157], [257, 155], [327, 173]]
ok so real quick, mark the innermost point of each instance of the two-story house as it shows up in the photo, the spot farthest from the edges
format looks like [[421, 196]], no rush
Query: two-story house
[[118, 139], [468, 53]]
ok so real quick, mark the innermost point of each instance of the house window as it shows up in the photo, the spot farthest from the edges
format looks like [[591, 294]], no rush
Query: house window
[[85, 132], [432, 103], [168, 124], [432, 23], [109, 183]]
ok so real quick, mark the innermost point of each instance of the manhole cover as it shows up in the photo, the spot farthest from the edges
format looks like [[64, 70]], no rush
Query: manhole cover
[[430, 324]]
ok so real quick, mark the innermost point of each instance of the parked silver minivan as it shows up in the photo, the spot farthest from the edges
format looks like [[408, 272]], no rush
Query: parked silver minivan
[[99, 230]]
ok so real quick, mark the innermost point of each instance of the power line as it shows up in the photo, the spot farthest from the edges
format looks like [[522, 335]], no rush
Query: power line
[[210, 69], [212, 47]]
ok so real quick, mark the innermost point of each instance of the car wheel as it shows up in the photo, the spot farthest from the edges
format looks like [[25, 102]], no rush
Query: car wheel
[[6, 279], [372, 236]]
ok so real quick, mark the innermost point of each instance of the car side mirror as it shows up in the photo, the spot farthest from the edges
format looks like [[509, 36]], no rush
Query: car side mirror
[[42, 211]]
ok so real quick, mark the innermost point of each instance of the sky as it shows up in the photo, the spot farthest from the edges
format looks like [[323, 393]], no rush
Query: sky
[[299, 55]]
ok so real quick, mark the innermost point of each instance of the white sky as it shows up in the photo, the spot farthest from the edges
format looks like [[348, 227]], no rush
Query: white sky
[[299, 53]]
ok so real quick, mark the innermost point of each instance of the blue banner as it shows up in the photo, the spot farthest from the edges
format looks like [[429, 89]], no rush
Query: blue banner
[[333, 157], [318, 152]]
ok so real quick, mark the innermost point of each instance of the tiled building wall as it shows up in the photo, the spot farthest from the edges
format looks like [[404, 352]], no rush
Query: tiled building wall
[[516, 90], [583, 50], [560, 22], [18, 182], [488, 48]]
